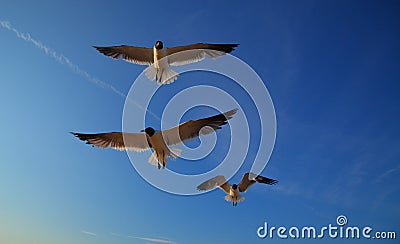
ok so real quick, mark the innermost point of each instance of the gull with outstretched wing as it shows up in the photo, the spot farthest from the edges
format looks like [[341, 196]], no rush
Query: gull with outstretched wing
[[158, 140], [159, 57], [233, 190]]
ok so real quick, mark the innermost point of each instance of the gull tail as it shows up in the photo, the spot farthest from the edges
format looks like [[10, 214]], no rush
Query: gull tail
[[175, 152], [153, 159], [161, 75], [230, 198], [162, 162]]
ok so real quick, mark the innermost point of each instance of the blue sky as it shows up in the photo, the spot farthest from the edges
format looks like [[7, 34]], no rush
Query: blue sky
[[331, 68]]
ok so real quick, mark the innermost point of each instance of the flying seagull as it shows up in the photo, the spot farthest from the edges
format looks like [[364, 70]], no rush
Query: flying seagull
[[233, 190], [160, 71], [159, 141]]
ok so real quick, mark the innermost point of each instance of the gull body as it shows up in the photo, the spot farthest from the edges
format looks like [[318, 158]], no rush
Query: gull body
[[161, 151], [161, 71], [234, 195]]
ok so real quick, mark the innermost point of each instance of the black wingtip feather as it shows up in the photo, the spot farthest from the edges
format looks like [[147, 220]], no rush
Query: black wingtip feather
[[226, 48], [75, 134], [83, 137], [265, 180], [99, 49]]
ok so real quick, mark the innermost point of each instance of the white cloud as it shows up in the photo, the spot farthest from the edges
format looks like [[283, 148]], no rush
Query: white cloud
[[386, 173], [61, 59], [88, 233], [156, 240], [64, 60]]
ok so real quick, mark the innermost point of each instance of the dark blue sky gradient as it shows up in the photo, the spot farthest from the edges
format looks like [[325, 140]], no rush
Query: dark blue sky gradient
[[331, 67]]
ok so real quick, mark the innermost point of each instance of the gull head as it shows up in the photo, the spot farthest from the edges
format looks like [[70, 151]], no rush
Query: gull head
[[149, 131], [159, 45]]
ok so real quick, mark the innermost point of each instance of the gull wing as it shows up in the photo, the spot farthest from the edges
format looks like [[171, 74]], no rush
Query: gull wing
[[196, 52], [136, 55], [250, 178], [116, 140], [217, 181], [192, 128]]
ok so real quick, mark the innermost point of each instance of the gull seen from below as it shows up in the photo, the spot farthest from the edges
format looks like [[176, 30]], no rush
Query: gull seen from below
[[158, 140], [233, 190], [162, 57]]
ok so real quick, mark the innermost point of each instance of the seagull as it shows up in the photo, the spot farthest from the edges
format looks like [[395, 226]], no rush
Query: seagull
[[158, 140], [233, 190], [160, 71]]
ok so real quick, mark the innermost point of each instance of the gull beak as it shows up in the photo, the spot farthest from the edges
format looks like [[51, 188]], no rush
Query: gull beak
[[142, 131]]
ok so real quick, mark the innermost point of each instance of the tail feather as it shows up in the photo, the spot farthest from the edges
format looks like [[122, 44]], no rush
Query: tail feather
[[229, 198], [153, 159], [162, 76], [162, 162], [175, 152], [166, 76]]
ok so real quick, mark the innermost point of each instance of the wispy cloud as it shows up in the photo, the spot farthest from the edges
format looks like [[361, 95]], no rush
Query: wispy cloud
[[387, 173], [60, 58], [65, 61], [156, 240], [147, 239], [88, 233]]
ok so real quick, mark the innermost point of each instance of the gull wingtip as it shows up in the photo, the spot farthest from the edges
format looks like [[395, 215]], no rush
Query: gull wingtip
[[232, 112]]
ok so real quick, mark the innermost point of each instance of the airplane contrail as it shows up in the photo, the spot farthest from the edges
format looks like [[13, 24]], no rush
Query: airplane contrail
[[64, 60], [88, 233], [61, 58]]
